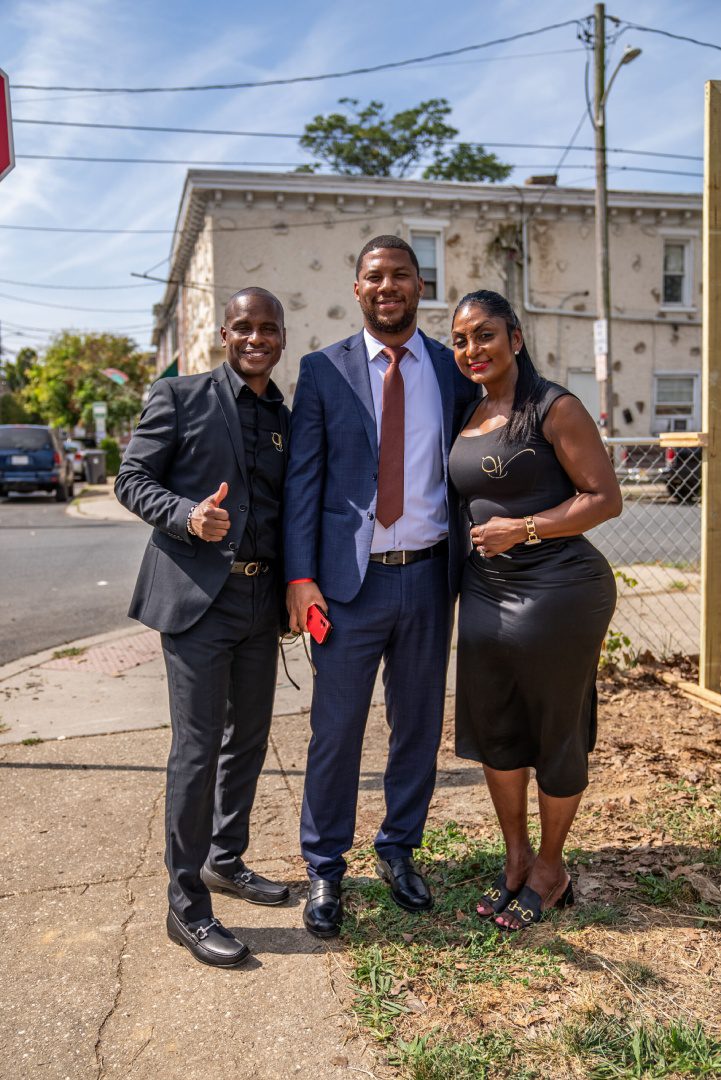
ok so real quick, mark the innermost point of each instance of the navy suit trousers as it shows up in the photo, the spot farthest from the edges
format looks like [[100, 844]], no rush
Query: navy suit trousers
[[402, 615]]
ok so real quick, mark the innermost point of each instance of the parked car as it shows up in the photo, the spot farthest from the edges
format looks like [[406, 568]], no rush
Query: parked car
[[32, 458], [639, 464], [77, 449], [682, 473]]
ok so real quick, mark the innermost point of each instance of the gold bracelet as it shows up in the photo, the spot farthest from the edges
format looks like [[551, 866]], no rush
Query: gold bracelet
[[533, 537]]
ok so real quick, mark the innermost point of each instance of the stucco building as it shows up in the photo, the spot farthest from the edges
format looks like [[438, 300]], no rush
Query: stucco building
[[298, 235]]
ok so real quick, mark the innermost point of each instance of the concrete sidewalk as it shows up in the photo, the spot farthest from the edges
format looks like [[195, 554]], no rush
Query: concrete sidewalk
[[92, 987]]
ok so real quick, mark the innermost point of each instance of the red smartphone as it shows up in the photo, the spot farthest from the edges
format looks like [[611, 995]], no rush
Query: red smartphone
[[319, 625]]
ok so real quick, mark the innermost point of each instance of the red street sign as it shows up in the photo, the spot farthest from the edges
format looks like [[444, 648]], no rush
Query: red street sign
[[7, 153]]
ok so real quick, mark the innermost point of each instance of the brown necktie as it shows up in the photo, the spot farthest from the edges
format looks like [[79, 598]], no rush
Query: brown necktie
[[390, 457]]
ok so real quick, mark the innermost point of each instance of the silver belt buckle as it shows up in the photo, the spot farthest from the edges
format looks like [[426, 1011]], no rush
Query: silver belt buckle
[[252, 569]]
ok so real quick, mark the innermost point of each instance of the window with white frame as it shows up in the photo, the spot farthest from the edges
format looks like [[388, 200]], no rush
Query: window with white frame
[[676, 290], [675, 403], [427, 245]]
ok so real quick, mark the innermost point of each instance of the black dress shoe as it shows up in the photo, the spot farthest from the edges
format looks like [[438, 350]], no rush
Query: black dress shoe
[[323, 911], [246, 884], [208, 941], [409, 888]]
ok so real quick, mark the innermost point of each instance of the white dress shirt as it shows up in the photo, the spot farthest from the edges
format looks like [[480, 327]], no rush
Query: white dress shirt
[[425, 516]]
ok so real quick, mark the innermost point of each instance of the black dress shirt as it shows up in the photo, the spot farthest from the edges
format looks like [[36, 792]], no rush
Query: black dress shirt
[[265, 455]]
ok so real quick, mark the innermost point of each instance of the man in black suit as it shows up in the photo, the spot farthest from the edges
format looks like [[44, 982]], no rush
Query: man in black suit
[[211, 582]]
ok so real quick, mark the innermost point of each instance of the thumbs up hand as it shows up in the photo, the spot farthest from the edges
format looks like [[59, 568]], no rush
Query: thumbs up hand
[[209, 521]]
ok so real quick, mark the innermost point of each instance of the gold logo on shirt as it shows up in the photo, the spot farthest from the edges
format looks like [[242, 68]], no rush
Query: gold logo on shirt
[[277, 441], [496, 468]]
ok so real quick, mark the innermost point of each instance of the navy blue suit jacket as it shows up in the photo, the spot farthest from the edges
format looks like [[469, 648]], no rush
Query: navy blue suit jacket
[[332, 479]]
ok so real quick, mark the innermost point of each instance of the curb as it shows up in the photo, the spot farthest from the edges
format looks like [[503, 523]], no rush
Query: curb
[[33, 660]]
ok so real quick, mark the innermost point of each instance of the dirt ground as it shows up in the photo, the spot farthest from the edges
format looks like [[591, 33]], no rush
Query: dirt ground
[[625, 983]]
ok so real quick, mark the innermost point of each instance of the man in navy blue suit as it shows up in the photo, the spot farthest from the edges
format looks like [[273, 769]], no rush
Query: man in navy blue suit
[[367, 516]]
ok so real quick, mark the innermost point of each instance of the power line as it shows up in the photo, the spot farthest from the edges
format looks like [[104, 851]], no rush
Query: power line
[[391, 65], [295, 135], [84, 288], [349, 217], [291, 164], [160, 161], [668, 34], [32, 330], [65, 307], [76, 229]]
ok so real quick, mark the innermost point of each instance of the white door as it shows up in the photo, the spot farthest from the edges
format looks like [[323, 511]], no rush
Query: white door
[[583, 383]]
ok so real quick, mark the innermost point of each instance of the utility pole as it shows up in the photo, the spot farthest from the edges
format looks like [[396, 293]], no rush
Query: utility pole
[[602, 349], [710, 661]]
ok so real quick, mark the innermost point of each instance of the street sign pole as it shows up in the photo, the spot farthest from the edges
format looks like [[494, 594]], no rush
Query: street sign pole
[[7, 150], [100, 416]]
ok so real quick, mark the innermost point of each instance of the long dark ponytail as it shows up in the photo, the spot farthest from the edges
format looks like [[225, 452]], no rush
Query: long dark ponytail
[[529, 385]]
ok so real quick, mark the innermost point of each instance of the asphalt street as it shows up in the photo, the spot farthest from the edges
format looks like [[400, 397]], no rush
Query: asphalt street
[[62, 577], [650, 531]]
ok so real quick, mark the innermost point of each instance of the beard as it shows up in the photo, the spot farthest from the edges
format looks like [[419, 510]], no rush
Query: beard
[[386, 325]]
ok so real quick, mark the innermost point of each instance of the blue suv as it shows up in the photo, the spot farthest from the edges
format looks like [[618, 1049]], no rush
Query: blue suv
[[32, 458]]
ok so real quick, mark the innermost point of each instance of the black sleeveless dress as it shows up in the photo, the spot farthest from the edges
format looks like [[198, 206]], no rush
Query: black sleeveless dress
[[531, 621]]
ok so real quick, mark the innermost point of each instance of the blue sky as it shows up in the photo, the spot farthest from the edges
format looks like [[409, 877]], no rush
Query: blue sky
[[526, 91]]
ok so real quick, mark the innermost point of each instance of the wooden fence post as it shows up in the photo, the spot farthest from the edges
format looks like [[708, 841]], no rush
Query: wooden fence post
[[710, 659]]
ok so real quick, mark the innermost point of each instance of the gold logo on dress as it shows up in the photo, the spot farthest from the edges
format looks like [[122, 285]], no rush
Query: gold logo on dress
[[496, 468], [277, 441]]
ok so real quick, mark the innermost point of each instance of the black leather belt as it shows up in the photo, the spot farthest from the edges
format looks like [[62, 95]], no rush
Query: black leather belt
[[403, 558], [250, 569]]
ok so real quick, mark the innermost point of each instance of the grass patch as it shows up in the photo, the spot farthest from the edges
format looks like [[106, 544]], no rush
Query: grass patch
[[405, 964], [71, 650], [487, 1056], [32, 741], [613, 1048], [660, 891], [595, 915], [448, 996], [4, 727], [689, 814]]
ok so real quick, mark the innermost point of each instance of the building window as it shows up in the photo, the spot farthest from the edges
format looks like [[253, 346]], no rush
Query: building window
[[427, 246], [675, 403], [676, 273]]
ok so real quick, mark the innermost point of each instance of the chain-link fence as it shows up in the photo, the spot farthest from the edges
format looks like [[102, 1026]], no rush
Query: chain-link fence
[[655, 545]]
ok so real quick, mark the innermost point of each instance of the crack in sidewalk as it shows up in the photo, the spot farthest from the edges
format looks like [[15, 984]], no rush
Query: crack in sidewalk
[[284, 774], [130, 900], [84, 885]]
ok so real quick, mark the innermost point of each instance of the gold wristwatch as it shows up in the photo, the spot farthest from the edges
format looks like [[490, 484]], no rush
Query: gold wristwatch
[[533, 537]]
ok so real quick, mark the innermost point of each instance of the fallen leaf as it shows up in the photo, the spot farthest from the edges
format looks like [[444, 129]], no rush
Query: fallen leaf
[[683, 871], [703, 885], [414, 1003], [586, 883], [461, 916], [408, 938]]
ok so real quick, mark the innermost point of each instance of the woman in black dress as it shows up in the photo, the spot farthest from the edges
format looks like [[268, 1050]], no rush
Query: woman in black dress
[[536, 599]]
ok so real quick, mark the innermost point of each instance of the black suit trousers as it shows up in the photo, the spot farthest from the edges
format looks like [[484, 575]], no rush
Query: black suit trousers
[[221, 682]]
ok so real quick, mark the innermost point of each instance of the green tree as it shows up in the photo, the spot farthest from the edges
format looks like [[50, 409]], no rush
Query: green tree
[[15, 376], [365, 141], [64, 383]]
